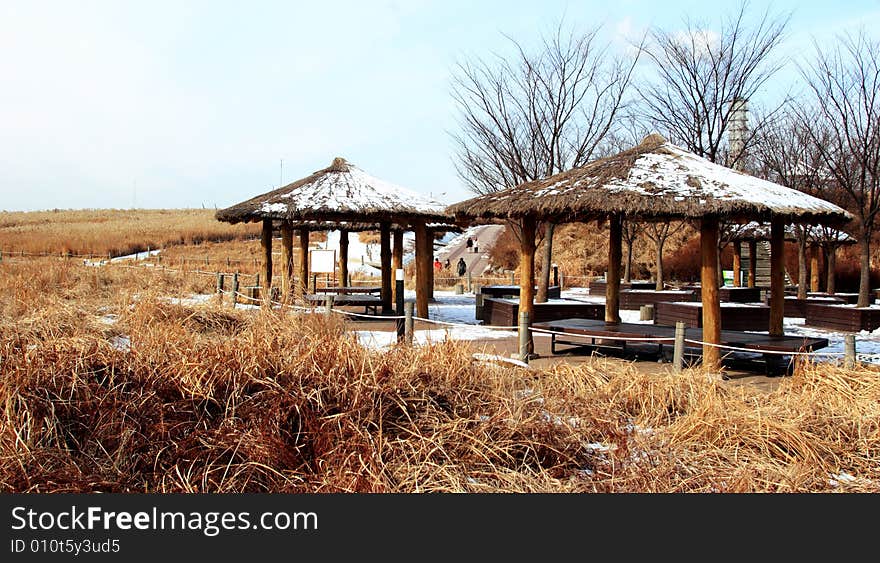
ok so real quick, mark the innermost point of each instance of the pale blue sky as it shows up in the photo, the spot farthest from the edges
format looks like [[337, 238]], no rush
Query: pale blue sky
[[189, 104]]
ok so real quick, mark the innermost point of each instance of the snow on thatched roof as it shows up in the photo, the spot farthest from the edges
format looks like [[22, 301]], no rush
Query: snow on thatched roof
[[655, 180], [819, 233], [340, 192]]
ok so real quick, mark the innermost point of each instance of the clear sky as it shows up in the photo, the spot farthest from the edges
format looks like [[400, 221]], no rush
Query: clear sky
[[177, 104]]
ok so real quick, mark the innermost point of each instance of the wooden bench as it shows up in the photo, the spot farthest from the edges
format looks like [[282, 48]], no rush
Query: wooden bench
[[734, 316], [846, 318], [350, 290], [739, 294], [553, 291], [587, 334], [505, 312], [368, 302], [634, 299], [795, 307], [599, 287]]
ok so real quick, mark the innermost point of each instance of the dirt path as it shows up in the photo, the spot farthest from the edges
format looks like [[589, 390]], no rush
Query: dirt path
[[477, 262]]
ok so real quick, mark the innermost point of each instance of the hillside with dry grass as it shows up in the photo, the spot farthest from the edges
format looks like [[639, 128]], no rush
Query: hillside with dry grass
[[110, 386]]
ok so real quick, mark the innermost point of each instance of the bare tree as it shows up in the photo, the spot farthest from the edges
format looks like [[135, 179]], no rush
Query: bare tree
[[660, 233], [700, 75], [630, 232], [844, 82], [536, 114]]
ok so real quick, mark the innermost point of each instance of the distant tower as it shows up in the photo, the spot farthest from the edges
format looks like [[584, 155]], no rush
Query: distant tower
[[738, 131]]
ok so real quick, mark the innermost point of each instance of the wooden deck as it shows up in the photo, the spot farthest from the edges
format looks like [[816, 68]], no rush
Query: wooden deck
[[591, 333], [851, 298], [505, 312], [633, 299], [599, 287], [752, 316]]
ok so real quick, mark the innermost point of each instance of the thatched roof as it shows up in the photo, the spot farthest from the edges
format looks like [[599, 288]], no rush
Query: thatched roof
[[655, 180], [340, 192], [815, 233]]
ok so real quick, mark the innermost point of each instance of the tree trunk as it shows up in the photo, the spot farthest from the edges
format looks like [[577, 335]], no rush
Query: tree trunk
[[527, 273], [612, 287], [660, 282], [802, 264], [303, 286], [709, 293], [865, 279], [831, 254], [720, 271], [546, 264]]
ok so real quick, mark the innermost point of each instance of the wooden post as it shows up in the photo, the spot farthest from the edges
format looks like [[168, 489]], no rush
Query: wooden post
[[423, 268], [303, 282], [753, 256], [678, 350], [234, 289], [777, 275], [328, 304], [849, 351], [220, 283], [385, 259], [524, 337], [646, 312], [266, 245], [709, 292], [398, 304], [397, 259], [408, 330], [814, 267], [478, 313], [430, 251], [527, 280], [286, 259], [343, 258], [469, 282], [612, 277], [737, 263]]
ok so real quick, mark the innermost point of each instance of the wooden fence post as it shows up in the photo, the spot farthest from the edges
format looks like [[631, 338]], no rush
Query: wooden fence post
[[234, 289], [409, 325], [678, 351], [849, 350], [524, 336]]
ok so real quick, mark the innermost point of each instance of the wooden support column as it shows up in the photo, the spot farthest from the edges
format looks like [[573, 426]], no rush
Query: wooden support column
[[814, 267], [303, 284], [527, 272], [777, 275], [343, 257], [615, 254], [286, 259], [430, 250], [266, 269], [737, 263], [385, 259], [709, 292], [753, 256], [423, 268], [396, 259]]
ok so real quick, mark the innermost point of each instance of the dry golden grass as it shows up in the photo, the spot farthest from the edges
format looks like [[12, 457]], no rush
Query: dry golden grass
[[165, 397], [113, 231]]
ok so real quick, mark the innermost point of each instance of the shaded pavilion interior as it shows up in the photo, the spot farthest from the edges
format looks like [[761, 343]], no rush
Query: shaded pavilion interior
[[345, 198], [656, 181]]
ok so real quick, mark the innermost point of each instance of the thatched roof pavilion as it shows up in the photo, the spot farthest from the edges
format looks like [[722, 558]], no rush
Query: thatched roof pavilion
[[656, 181], [344, 197]]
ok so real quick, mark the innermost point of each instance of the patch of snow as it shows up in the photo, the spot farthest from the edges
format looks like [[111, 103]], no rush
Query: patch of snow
[[122, 343]]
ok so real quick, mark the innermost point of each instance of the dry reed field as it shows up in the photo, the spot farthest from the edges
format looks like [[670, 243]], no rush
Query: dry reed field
[[108, 385], [117, 232]]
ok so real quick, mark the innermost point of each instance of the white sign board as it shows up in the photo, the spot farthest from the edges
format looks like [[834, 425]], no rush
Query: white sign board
[[323, 261]]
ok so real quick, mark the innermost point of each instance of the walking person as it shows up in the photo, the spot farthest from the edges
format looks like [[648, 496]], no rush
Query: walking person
[[470, 244], [461, 267]]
